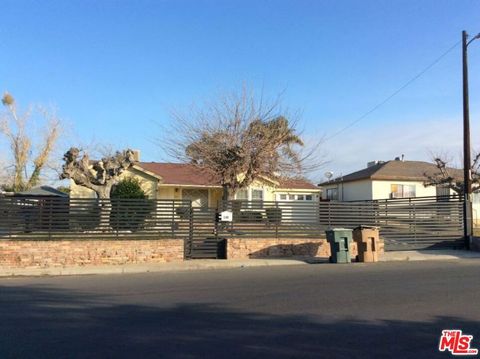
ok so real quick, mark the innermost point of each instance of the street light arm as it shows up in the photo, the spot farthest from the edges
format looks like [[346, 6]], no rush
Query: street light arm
[[473, 38]]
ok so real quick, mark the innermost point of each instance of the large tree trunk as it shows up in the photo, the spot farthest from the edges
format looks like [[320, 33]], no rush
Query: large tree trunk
[[98, 176], [103, 194], [225, 193]]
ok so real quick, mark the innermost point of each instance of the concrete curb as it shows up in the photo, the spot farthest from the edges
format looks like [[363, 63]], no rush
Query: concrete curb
[[205, 264]]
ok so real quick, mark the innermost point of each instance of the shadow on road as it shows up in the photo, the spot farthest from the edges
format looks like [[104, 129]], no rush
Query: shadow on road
[[38, 322]]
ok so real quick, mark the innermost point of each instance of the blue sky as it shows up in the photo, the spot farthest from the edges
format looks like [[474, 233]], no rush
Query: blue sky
[[115, 69]]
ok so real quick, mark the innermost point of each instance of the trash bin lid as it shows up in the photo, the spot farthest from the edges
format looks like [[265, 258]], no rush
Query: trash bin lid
[[362, 226]]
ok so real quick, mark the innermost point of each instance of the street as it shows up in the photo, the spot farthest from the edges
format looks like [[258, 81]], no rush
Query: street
[[315, 311]]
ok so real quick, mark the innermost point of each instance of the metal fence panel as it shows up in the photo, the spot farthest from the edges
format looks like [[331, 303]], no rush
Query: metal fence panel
[[72, 218], [277, 219], [425, 222], [404, 223]]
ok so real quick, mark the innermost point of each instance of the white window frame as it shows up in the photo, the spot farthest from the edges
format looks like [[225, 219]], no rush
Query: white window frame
[[243, 199], [293, 197], [403, 193], [249, 192]]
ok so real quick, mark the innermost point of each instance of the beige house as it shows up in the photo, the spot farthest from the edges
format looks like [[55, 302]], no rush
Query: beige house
[[186, 181], [383, 180]]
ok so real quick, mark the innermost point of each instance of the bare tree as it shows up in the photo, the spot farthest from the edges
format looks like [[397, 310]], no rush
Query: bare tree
[[450, 177], [97, 175], [26, 154], [238, 139]]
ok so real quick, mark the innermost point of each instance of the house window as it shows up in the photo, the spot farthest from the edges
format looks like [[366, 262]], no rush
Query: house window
[[442, 191], [294, 197], [253, 194], [242, 194], [332, 193], [402, 191], [257, 194]]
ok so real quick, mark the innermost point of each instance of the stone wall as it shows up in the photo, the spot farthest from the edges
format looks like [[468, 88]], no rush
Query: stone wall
[[244, 248], [43, 254], [47, 254]]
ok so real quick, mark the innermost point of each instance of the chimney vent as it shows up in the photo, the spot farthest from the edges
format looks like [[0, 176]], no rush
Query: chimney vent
[[136, 155]]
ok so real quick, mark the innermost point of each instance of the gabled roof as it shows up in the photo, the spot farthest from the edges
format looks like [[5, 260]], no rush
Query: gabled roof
[[296, 184], [394, 170], [181, 174], [185, 174]]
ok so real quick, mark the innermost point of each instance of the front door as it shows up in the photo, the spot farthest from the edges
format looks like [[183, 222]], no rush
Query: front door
[[199, 197]]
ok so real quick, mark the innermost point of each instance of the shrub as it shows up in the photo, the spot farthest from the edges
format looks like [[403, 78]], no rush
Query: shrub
[[128, 188], [129, 215]]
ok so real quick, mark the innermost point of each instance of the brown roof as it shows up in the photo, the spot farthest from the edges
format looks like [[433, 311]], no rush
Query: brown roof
[[394, 170], [181, 173], [190, 175], [296, 184]]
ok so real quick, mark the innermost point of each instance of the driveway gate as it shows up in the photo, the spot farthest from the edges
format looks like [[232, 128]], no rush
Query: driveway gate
[[412, 223]]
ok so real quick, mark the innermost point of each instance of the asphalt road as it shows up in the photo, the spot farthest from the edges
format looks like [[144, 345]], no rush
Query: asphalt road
[[321, 311]]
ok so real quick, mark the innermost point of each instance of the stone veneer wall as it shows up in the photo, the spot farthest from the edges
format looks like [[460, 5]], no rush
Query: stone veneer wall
[[244, 248], [43, 254]]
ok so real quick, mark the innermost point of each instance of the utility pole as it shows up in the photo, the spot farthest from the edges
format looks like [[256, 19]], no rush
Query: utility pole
[[467, 161]]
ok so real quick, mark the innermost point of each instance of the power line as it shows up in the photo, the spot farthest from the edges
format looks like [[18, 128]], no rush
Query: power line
[[406, 84]]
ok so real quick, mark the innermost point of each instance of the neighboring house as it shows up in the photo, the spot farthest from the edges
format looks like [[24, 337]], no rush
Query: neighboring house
[[383, 180], [186, 181], [42, 191]]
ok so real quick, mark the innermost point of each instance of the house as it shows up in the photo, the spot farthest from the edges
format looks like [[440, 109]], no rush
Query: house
[[42, 191], [383, 180], [186, 181]]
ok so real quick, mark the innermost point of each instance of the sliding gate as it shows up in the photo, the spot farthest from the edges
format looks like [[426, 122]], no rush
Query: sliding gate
[[414, 223]]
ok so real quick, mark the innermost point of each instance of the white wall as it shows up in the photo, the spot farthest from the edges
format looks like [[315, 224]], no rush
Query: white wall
[[355, 191], [351, 191], [368, 189]]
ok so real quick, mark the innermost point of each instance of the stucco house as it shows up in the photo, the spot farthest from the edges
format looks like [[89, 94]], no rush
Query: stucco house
[[186, 181], [383, 180]]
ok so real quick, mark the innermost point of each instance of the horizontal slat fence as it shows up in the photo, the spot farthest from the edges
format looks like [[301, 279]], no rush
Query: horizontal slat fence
[[72, 218], [425, 222], [272, 219], [404, 223]]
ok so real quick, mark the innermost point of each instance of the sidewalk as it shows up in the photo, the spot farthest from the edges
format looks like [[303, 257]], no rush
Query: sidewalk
[[208, 264], [428, 255], [196, 264]]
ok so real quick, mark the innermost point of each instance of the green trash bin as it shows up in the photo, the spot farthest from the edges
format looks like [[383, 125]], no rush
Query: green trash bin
[[339, 240]]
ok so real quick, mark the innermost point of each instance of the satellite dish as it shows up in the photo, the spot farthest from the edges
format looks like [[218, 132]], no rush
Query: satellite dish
[[329, 175]]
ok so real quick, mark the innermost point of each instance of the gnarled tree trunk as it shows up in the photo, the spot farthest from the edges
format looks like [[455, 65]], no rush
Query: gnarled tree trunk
[[97, 175]]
